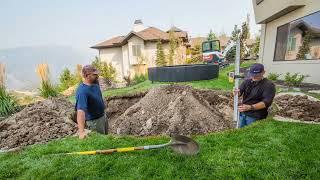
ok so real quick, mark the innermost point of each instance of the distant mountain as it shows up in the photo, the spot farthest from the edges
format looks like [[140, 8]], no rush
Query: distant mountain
[[21, 63]]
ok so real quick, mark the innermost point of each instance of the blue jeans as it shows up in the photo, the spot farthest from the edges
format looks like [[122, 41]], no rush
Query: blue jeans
[[246, 120]]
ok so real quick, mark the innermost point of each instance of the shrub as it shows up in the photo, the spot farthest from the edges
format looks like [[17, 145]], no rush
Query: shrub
[[295, 79], [8, 103], [273, 76], [139, 78], [107, 71], [128, 80], [67, 79], [46, 89]]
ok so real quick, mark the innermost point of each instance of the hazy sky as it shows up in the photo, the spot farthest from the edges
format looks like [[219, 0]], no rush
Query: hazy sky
[[82, 23]]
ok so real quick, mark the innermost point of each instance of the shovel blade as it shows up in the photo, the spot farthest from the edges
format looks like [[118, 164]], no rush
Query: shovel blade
[[184, 145]]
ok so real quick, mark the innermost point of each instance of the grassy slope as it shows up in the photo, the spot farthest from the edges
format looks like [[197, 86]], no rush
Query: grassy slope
[[267, 149]]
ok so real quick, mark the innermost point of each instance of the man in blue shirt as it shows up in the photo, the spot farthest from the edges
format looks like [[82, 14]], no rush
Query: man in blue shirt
[[89, 103]]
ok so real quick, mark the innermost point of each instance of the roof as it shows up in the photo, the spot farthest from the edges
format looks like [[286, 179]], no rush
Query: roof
[[148, 34], [113, 42], [152, 33], [174, 29], [196, 41]]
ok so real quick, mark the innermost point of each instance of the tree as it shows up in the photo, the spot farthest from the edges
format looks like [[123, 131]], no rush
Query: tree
[[211, 36], [161, 59], [173, 44], [256, 46], [244, 35], [107, 71], [231, 54], [235, 33], [67, 79], [305, 47]]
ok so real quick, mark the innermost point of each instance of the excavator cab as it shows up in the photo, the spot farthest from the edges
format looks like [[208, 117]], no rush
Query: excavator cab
[[211, 52]]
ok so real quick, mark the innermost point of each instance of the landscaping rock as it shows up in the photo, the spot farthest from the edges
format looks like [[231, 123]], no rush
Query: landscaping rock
[[175, 110], [38, 123]]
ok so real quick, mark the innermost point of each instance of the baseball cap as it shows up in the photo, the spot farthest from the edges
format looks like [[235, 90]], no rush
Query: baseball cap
[[89, 69], [256, 69]]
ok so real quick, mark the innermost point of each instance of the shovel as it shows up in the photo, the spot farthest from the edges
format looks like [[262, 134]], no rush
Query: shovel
[[180, 144]]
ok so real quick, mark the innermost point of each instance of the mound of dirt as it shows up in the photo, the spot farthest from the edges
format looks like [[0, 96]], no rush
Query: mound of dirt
[[117, 105], [175, 110], [38, 123], [298, 107]]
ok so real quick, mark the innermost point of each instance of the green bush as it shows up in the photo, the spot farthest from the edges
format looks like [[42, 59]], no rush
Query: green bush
[[273, 76], [48, 90], [8, 103], [140, 78], [67, 79], [295, 79], [107, 71]]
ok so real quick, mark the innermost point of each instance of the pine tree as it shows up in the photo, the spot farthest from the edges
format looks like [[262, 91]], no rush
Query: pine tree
[[66, 79], [211, 36], [305, 47], [243, 37], [160, 61], [231, 54], [235, 33]]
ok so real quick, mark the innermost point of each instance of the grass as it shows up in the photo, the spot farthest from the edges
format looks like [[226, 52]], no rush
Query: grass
[[267, 149]]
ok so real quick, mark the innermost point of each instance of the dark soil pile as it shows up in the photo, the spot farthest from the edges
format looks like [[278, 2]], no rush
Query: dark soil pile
[[298, 107], [38, 123], [117, 105], [175, 110]]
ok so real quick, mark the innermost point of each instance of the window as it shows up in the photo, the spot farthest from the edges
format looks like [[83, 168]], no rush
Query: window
[[216, 45], [291, 43], [209, 46], [136, 50], [206, 46], [299, 39]]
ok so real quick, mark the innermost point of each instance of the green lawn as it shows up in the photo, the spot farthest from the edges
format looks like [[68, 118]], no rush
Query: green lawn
[[267, 149]]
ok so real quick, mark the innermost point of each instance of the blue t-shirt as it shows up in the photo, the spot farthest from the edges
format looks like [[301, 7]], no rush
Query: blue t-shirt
[[89, 99]]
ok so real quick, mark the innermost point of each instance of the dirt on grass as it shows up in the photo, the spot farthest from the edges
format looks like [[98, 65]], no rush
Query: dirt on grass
[[172, 109], [298, 107], [168, 110], [38, 123]]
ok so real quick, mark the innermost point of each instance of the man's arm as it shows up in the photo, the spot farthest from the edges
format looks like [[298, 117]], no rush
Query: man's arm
[[82, 107], [253, 107], [81, 118]]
